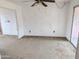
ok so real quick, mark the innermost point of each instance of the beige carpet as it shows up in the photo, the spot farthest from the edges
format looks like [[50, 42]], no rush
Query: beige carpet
[[37, 48]]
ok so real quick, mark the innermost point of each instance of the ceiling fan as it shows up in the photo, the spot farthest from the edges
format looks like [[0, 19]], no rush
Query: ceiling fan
[[42, 2], [59, 3]]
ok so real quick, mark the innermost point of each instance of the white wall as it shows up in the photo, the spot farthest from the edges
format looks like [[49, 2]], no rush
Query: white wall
[[42, 21], [8, 21], [18, 9], [69, 20]]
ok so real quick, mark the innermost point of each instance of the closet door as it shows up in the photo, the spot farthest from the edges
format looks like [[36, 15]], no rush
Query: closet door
[[75, 28], [8, 21]]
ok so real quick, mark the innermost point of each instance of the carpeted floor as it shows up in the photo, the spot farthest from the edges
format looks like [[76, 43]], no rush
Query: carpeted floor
[[37, 48]]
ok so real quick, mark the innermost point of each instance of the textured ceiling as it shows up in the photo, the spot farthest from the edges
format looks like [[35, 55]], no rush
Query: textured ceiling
[[21, 0], [31, 0], [24, 2]]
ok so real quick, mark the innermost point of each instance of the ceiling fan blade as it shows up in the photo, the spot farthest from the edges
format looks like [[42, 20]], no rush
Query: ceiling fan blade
[[44, 4], [49, 1], [34, 4]]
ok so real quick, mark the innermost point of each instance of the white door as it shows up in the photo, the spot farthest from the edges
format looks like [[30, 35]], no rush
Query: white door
[[75, 28], [8, 21]]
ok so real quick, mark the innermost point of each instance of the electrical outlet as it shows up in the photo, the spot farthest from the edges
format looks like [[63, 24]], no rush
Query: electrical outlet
[[29, 31], [53, 31]]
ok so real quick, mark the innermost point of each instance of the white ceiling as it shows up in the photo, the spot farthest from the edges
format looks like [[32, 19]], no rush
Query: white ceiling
[[21, 0], [32, 0], [24, 2]]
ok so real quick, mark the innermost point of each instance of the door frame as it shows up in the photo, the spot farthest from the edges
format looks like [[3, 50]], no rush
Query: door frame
[[1, 28], [77, 50], [15, 16], [72, 22], [76, 54]]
